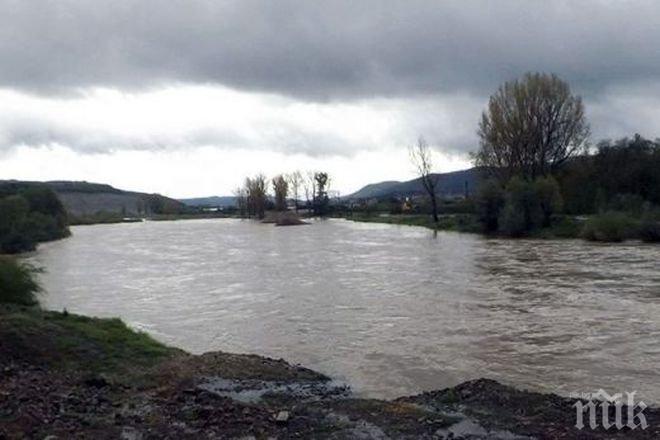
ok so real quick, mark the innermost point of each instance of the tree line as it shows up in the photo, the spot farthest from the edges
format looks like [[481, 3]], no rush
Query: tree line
[[254, 198], [537, 167], [29, 214]]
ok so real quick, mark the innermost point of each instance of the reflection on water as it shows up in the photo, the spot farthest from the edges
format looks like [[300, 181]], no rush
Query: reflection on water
[[390, 309]]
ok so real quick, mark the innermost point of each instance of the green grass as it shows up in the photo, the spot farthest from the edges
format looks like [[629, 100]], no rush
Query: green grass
[[562, 227], [610, 226], [63, 340]]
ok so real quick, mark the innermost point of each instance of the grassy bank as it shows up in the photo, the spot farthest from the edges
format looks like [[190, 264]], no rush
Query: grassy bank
[[562, 228], [66, 341], [605, 227]]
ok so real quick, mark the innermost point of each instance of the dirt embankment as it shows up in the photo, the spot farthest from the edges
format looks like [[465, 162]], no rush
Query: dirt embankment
[[64, 376]]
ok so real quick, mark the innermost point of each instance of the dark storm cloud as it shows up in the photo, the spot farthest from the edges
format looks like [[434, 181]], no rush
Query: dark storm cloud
[[418, 67], [326, 49]]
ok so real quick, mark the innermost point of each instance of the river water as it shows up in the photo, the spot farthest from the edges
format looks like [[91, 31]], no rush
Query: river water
[[393, 310]]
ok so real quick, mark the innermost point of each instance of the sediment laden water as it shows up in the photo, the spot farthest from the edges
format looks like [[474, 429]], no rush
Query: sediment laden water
[[393, 310]]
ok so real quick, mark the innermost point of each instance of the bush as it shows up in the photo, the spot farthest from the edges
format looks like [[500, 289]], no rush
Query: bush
[[549, 198], [522, 208], [564, 227], [18, 283], [610, 226], [649, 228], [512, 221], [489, 203]]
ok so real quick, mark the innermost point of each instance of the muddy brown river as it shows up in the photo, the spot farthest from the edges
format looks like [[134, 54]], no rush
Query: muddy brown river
[[392, 310]]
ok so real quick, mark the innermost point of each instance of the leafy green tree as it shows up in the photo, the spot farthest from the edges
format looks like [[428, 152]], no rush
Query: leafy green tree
[[531, 127], [13, 237], [13, 212], [31, 214]]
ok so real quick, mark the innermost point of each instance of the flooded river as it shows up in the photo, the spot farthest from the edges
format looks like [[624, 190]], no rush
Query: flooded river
[[393, 310]]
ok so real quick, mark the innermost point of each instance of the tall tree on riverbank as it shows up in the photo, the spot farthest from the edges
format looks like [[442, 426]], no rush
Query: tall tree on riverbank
[[532, 125], [321, 199], [281, 189], [420, 156], [309, 186]]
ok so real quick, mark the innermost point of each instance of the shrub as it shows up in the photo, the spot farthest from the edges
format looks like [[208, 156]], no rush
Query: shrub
[[632, 203], [489, 204], [612, 226], [512, 221], [649, 228], [565, 227], [18, 283], [549, 198], [650, 232], [522, 208]]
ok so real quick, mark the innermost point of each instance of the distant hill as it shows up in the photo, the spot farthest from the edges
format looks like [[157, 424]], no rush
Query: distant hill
[[450, 185], [213, 201], [84, 199]]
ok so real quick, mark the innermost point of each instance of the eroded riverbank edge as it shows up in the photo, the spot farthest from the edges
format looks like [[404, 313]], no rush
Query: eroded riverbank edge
[[69, 376]]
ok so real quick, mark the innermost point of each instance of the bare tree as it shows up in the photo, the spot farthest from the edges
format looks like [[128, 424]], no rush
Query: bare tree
[[240, 194], [310, 189], [420, 156], [281, 189], [295, 180], [532, 125]]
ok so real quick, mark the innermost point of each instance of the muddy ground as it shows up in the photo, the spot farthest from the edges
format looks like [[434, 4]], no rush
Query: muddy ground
[[223, 395]]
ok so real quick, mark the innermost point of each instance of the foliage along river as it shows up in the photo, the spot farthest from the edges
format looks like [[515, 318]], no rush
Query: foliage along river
[[393, 310]]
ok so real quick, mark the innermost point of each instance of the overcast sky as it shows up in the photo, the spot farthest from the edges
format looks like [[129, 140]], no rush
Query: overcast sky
[[186, 97]]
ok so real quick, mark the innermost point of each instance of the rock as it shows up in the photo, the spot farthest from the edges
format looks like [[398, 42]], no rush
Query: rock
[[282, 417]]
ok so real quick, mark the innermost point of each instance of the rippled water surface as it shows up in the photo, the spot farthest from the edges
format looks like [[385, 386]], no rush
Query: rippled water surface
[[393, 310]]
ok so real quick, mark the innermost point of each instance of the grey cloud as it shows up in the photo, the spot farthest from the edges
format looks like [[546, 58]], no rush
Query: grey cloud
[[325, 50], [278, 135], [444, 57]]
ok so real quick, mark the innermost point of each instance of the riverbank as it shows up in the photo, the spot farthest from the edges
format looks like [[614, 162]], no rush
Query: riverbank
[[69, 376], [565, 227], [606, 227], [105, 218]]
